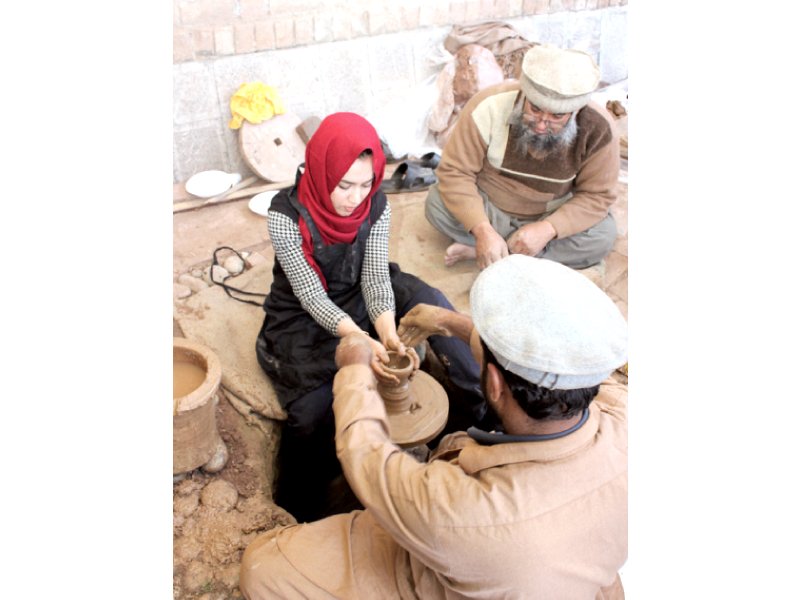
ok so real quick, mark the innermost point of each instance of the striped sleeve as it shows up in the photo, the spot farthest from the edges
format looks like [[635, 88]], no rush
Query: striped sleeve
[[287, 242], [375, 283]]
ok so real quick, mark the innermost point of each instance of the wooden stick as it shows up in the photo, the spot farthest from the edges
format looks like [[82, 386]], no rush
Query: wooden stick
[[237, 195]]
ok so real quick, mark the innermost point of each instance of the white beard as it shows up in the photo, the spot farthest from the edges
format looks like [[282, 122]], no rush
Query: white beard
[[544, 143]]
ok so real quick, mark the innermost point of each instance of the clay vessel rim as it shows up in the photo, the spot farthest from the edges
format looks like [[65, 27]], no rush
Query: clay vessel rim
[[202, 393], [408, 364]]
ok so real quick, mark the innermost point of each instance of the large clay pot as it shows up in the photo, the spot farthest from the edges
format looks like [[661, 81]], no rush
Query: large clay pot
[[195, 439]]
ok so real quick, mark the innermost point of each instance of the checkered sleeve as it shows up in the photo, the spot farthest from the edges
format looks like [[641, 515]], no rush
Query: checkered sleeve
[[375, 283], [287, 242]]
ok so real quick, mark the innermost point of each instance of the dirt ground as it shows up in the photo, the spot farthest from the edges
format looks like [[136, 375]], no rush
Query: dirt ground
[[216, 516]]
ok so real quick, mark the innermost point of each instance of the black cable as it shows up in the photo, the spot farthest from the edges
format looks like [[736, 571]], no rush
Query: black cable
[[229, 288]]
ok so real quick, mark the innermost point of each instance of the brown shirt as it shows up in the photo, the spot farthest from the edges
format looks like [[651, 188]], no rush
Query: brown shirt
[[540, 519], [481, 154]]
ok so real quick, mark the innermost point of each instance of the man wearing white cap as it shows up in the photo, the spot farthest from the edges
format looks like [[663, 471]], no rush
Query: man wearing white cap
[[531, 167], [535, 510]]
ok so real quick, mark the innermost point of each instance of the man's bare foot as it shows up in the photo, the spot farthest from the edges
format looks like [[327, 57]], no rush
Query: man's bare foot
[[456, 252]]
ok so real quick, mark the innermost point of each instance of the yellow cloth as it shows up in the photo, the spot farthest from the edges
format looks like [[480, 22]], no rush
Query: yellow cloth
[[255, 102]]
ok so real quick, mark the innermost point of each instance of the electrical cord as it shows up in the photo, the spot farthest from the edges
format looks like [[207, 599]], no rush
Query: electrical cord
[[229, 288]]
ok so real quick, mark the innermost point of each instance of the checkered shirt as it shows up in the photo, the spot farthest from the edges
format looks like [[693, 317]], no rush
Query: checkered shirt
[[375, 283]]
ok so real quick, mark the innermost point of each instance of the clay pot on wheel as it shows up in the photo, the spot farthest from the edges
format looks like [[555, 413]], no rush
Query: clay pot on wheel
[[396, 394], [416, 404], [196, 442]]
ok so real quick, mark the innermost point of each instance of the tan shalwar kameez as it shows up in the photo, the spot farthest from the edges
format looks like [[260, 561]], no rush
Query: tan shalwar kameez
[[538, 519]]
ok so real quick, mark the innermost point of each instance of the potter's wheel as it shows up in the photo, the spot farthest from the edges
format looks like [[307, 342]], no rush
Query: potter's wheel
[[425, 417]]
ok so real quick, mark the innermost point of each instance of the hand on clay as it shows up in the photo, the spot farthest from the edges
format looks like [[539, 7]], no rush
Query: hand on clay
[[354, 349], [379, 355], [531, 239], [489, 245], [387, 332], [387, 377], [421, 322], [392, 342]]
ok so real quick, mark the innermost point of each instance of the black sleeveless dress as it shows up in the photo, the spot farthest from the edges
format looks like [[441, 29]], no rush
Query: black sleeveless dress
[[292, 348], [298, 355]]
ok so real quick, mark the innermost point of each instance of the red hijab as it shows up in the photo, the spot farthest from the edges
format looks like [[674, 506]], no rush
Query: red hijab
[[331, 151]]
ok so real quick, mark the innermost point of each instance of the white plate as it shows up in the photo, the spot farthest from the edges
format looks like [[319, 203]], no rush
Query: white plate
[[210, 183], [260, 203]]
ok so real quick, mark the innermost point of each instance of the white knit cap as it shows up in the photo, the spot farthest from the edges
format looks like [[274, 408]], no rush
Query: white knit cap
[[558, 80], [547, 323]]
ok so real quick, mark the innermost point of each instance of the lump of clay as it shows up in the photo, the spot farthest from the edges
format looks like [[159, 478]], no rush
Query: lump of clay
[[473, 69], [476, 69], [220, 495]]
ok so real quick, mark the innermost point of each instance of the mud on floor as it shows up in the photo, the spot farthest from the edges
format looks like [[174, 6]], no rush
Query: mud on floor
[[216, 516]]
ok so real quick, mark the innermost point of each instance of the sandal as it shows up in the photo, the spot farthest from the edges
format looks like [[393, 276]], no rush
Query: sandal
[[409, 177], [388, 153], [429, 160]]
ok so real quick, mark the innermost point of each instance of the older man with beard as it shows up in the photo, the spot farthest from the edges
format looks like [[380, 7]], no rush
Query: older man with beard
[[531, 168]]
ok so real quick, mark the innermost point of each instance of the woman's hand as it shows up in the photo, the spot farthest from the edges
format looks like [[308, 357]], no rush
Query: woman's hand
[[384, 372], [387, 332], [421, 322], [379, 355], [390, 339], [348, 327]]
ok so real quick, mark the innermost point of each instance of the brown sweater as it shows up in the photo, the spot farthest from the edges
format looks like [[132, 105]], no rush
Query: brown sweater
[[480, 153]]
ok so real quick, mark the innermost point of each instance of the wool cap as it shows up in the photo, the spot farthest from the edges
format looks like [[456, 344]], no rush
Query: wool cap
[[548, 323], [558, 80]]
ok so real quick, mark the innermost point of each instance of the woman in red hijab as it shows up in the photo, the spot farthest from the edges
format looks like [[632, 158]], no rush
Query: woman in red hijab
[[332, 276]]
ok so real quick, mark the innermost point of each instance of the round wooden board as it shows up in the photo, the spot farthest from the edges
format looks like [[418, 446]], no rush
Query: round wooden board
[[273, 149], [426, 417]]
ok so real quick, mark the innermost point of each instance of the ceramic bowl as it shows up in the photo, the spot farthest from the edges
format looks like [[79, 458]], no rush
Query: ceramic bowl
[[210, 183], [260, 203]]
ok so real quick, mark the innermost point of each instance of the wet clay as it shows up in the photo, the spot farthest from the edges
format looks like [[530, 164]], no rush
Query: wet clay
[[396, 394], [416, 405], [186, 378]]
